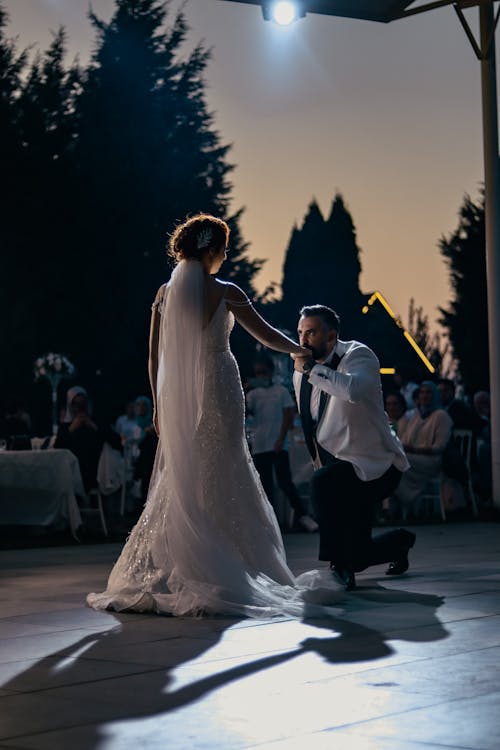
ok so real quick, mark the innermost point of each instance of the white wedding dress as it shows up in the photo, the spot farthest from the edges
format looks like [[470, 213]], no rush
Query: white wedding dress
[[208, 540]]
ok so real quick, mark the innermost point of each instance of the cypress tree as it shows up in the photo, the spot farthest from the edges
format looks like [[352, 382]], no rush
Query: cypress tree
[[466, 316], [322, 266]]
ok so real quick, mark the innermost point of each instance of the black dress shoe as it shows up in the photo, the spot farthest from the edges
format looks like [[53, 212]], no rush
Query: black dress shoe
[[344, 577], [400, 566]]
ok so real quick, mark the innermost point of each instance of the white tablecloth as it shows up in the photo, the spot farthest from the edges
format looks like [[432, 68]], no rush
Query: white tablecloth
[[39, 488]]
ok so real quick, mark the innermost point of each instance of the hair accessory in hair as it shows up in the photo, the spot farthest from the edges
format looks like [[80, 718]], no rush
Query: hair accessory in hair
[[204, 238]]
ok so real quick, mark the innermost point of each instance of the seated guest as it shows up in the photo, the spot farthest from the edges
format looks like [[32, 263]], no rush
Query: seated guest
[[395, 407], [424, 436], [144, 413], [80, 434], [126, 425], [404, 384], [16, 421], [457, 410]]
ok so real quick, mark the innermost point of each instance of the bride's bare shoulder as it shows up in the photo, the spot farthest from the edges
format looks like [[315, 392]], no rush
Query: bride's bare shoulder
[[161, 292], [159, 299], [233, 294]]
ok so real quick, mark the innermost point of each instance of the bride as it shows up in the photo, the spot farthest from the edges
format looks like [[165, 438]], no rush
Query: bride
[[207, 540]]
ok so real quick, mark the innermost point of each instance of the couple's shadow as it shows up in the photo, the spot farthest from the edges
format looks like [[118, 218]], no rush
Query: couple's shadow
[[141, 681]]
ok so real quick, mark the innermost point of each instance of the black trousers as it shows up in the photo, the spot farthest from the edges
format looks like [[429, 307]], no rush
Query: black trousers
[[344, 507], [269, 462]]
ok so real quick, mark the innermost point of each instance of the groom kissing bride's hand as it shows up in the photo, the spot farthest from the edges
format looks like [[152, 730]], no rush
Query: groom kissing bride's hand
[[303, 363]]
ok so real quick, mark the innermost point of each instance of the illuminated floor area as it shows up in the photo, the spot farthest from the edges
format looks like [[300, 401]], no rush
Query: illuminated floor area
[[412, 664]]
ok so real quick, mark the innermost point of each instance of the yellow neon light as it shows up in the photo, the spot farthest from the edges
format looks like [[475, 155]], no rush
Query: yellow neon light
[[385, 305], [407, 335], [419, 351]]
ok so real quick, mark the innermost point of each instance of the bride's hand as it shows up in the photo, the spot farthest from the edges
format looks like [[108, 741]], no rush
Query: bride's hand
[[302, 352]]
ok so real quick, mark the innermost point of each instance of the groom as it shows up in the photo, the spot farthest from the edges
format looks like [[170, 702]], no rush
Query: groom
[[358, 459]]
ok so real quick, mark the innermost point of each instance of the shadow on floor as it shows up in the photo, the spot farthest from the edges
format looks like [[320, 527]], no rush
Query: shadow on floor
[[151, 691]]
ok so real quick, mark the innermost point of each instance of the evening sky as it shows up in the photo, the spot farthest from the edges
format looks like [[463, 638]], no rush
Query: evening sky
[[389, 115]]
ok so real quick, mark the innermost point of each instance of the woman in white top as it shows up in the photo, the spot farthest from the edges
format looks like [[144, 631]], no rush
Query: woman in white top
[[424, 435]]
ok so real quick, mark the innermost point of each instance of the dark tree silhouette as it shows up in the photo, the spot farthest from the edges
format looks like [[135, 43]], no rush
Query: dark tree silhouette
[[12, 66], [466, 317], [322, 266], [100, 164]]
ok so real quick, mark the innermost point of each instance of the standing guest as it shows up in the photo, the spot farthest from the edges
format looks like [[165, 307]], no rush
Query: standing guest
[[358, 458], [482, 430], [455, 472], [457, 410], [272, 410], [482, 407], [425, 436]]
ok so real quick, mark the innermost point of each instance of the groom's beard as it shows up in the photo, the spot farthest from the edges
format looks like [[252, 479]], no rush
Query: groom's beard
[[317, 352]]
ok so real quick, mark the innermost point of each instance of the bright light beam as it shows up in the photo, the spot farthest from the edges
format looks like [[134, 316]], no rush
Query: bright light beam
[[284, 13]]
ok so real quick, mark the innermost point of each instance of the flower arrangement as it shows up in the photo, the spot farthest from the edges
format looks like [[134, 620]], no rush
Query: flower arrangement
[[53, 366]]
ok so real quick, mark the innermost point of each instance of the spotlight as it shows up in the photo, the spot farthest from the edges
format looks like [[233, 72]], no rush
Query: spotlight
[[282, 12]]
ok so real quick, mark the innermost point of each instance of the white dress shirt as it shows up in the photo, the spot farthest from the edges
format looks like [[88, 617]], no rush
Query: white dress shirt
[[354, 426]]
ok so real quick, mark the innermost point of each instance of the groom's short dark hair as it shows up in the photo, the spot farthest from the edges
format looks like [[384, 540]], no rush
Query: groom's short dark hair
[[327, 315]]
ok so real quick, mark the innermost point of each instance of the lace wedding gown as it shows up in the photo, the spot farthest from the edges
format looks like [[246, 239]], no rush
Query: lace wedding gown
[[219, 549]]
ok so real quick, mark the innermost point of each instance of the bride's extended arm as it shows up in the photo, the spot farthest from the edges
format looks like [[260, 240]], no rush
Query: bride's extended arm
[[242, 309]]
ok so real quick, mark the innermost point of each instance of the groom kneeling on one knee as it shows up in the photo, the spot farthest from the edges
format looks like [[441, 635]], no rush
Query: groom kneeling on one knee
[[358, 459]]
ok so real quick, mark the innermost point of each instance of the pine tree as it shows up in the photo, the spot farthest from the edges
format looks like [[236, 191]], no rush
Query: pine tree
[[148, 155], [340, 227], [418, 325], [344, 276], [99, 165], [466, 317], [40, 192], [322, 266], [12, 214]]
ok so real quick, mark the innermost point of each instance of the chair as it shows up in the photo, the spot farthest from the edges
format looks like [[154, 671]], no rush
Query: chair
[[465, 442], [89, 510], [432, 497]]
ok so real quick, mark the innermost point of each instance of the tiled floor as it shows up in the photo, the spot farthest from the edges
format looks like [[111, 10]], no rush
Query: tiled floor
[[412, 664]]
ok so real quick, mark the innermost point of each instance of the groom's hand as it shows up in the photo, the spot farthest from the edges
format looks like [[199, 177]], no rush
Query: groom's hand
[[303, 364]]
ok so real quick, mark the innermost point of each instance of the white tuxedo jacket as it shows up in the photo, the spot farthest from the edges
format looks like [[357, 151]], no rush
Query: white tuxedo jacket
[[354, 426]]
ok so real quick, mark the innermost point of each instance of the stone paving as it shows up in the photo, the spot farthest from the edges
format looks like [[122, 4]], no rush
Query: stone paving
[[413, 663]]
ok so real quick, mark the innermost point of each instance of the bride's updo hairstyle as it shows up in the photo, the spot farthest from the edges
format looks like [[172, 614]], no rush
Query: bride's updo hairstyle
[[197, 236]]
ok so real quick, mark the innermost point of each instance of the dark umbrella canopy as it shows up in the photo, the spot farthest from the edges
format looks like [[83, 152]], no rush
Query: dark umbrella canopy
[[370, 10]]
